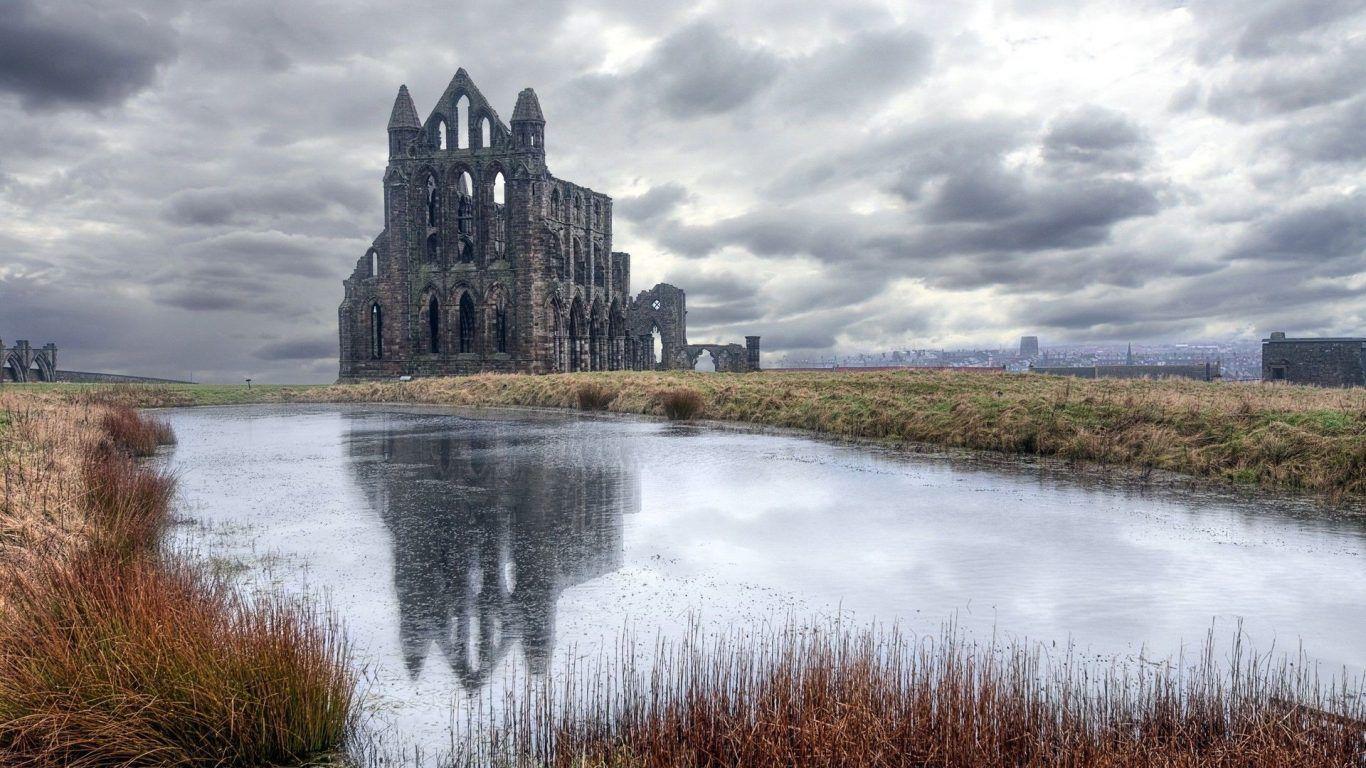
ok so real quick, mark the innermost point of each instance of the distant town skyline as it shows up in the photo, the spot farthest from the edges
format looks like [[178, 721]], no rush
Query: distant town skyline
[[184, 185]]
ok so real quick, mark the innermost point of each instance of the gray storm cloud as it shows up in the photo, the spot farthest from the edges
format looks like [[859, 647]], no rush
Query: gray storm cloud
[[184, 185]]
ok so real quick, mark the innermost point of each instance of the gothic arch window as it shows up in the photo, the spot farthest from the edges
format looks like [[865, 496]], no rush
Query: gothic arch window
[[599, 273], [433, 200], [374, 263], [467, 321], [555, 200], [465, 215], [498, 191], [580, 264], [433, 324], [434, 248], [462, 123], [441, 133], [500, 327], [466, 250], [496, 307], [485, 133], [376, 331]]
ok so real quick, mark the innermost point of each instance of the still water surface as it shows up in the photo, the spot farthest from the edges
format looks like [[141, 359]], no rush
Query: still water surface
[[461, 548]]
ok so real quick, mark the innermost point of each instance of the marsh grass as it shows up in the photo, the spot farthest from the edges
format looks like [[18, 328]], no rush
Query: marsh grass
[[681, 404], [594, 396], [835, 697], [113, 655], [136, 433], [127, 501], [107, 661]]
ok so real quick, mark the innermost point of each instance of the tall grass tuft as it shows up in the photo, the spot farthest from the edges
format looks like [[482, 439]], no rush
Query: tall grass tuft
[[134, 432], [127, 502], [108, 661], [833, 697], [681, 404], [594, 396]]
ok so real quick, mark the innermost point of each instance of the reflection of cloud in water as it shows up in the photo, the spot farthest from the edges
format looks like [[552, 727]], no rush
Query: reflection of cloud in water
[[490, 525]]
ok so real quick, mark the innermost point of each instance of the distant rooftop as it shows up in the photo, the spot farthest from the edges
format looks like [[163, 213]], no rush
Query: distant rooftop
[[1279, 336]]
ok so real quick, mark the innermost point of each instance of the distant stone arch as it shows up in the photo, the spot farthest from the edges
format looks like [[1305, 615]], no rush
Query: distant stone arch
[[661, 309]]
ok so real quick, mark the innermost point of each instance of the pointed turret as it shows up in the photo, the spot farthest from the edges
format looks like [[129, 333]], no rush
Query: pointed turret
[[528, 123], [404, 114], [528, 107], [404, 126]]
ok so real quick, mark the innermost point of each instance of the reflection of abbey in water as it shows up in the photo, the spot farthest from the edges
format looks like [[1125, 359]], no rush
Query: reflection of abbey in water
[[491, 523]]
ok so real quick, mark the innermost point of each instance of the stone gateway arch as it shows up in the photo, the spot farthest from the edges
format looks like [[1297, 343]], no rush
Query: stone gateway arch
[[488, 263], [24, 362]]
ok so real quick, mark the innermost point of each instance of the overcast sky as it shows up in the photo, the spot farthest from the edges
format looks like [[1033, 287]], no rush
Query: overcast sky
[[184, 185]]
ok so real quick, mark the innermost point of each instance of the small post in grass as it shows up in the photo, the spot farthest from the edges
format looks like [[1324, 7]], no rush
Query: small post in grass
[[248, 383]]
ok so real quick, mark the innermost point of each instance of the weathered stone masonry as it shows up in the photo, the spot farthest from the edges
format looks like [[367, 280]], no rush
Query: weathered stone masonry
[[487, 262], [24, 362], [1326, 362]]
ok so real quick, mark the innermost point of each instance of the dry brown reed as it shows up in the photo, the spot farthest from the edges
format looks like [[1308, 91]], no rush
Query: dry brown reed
[[135, 433], [594, 396], [106, 661], [681, 404], [127, 500], [112, 655], [834, 697]]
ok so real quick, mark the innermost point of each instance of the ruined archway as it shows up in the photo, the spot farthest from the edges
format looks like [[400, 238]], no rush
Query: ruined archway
[[660, 310]]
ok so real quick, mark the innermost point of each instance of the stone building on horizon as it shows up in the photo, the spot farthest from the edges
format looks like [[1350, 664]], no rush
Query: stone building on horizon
[[1321, 361], [488, 263]]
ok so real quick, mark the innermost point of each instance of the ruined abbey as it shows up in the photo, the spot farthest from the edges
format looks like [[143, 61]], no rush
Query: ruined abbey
[[487, 262]]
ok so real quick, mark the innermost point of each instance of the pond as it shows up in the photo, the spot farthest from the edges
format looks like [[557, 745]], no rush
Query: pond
[[462, 548]]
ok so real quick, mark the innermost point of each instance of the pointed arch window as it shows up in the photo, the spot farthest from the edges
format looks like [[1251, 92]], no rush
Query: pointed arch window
[[498, 191], [376, 331], [466, 323], [433, 201], [485, 133], [462, 123], [434, 248], [464, 187], [374, 263], [441, 133], [434, 325], [500, 327]]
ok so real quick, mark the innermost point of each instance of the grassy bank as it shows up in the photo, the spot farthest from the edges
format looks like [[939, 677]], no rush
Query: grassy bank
[[112, 654], [1253, 434], [833, 697]]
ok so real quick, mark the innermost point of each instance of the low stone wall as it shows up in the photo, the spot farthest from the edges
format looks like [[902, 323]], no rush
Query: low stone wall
[[88, 377], [1202, 372]]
